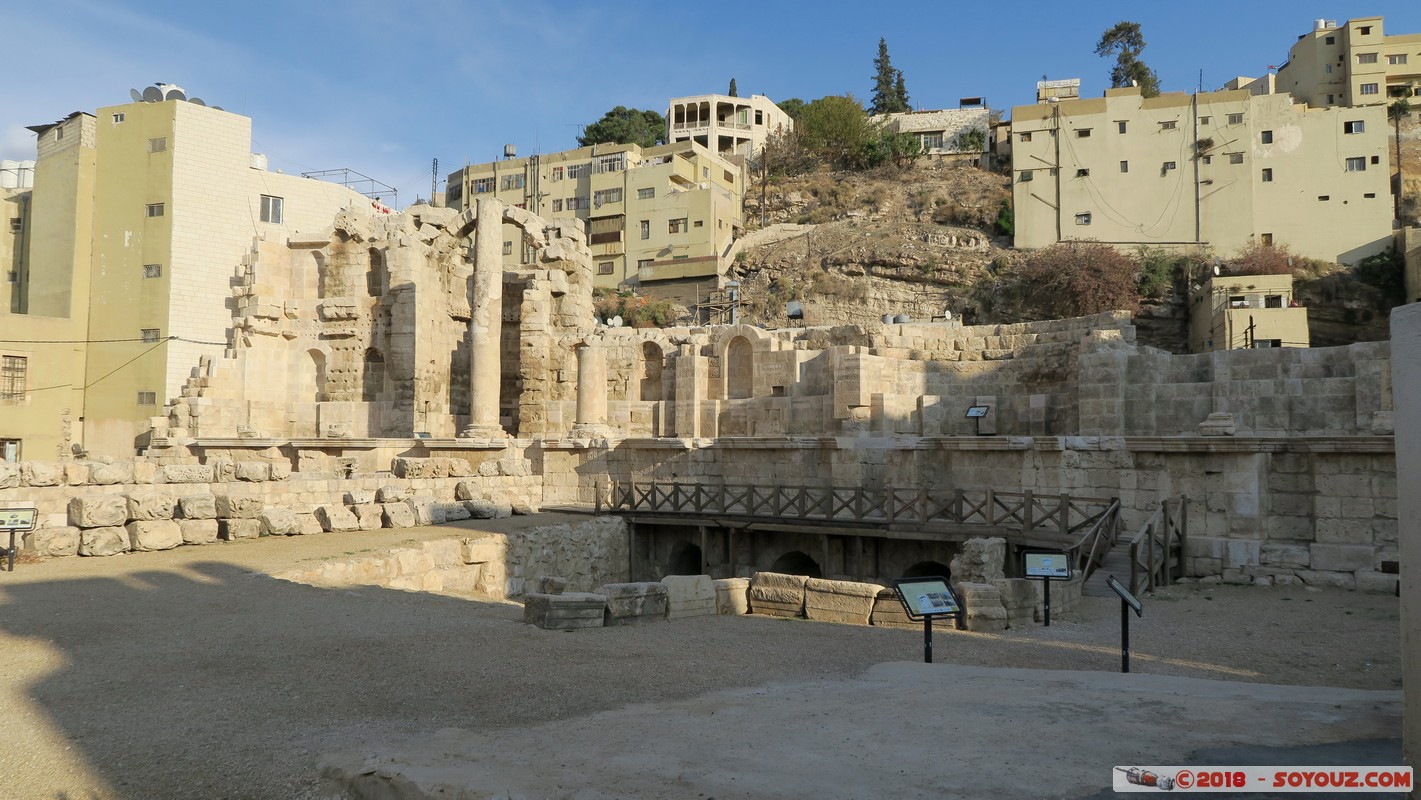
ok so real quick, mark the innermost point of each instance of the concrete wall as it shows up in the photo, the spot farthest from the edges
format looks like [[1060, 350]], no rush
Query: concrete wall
[[1406, 338]]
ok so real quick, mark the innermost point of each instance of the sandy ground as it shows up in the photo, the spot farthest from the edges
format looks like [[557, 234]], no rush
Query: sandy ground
[[193, 674]]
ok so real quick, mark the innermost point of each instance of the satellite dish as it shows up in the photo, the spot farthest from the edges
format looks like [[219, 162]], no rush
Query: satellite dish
[[947, 313], [197, 101], [615, 322], [219, 108], [152, 94], [174, 93], [1217, 271], [136, 95]]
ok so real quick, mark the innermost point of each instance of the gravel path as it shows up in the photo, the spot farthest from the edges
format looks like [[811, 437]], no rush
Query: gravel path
[[193, 674]]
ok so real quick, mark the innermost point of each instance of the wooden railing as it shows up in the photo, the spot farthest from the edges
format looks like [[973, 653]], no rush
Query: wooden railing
[[1089, 552], [1157, 548]]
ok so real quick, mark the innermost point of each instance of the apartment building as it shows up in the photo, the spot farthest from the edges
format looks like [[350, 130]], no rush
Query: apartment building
[[733, 127], [1239, 311], [139, 217], [1215, 169], [1352, 64], [659, 218]]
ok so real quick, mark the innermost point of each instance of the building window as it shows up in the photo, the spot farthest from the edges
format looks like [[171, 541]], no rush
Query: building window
[[1324, 197], [645, 194], [155, 209], [1083, 133], [147, 398], [1370, 195], [705, 172], [699, 224], [606, 196], [1267, 174], [557, 173], [1169, 165], [1235, 158], [10, 450], [511, 181], [1366, 58], [483, 185], [574, 203], [676, 226], [159, 145], [1024, 136], [1124, 166], [1207, 159], [1123, 125], [272, 208], [605, 267], [1369, 88], [1083, 218], [1273, 301], [1266, 137], [1235, 119], [149, 335], [1357, 164], [1082, 173], [1205, 120], [646, 229], [1332, 98], [17, 224], [1376, 159], [1266, 239], [930, 141], [58, 133], [13, 371], [1025, 176], [1169, 125], [152, 270], [12, 277], [508, 248], [1364, 30], [1396, 59], [117, 118], [1329, 40], [611, 163], [577, 170], [1354, 126], [557, 205], [644, 263], [1327, 68]]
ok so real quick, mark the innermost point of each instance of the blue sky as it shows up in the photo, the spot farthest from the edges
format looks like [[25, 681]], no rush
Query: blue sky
[[384, 87]]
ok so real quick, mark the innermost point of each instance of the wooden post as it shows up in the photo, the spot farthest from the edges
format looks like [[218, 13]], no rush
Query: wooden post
[[730, 552], [1063, 515], [991, 506], [923, 505], [1028, 513], [705, 554], [957, 504], [828, 573], [631, 551]]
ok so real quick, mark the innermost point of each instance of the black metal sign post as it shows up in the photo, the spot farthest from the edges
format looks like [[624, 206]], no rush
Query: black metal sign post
[[1044, 566], [16, 520], [926, 598], [1127, 601]]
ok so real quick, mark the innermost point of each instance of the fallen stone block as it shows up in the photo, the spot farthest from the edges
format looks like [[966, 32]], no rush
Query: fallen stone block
[[453, 512], [253, 471], [239, 506], [280, 470], [143, 471], [1019, 599], [1331, 580], [41, 473], [392, 494], [198, 531], [481, 509], [839, 601], [187, 473], [52, 542], [369, 517], [631, 603], [524, 507], [984, 610], [309, 524], [488, 469], [1377, 582], [337, 519], [888, 611], [359, 497], [396, 515], [154, 534], [98, 511], [9, 476], [552, 584], [107, 541], [427, 510], [689, 596], [279, 522], [732, 596], [111, 474], [564, 612], [233, 529], [1343, 557], [777, 595], [75, 473], [467, 490], [458, 467], [151, 505]]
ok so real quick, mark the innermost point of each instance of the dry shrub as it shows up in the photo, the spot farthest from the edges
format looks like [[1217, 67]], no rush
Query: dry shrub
[[1259, 259], [1075, 279]]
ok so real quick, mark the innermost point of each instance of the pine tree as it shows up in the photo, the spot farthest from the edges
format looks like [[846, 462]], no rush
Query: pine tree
[[901, 90], [1125, 41], [733, 93], [890, 94]]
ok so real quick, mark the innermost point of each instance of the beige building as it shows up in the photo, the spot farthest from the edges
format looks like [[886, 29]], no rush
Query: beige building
[[661, 218], [734, 127], [139, 218], [1239, 311], [947, 131], [1352, 64], [1215, 169]]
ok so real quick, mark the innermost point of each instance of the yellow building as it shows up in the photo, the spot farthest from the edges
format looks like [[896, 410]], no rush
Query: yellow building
[[1239, 311], [1352, 64], [1216, 169], [140, 216], [734, 127], [660, 218]]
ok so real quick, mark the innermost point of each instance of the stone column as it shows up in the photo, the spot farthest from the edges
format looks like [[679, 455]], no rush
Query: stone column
[[1406, 394], [486, 323], [591, 391]]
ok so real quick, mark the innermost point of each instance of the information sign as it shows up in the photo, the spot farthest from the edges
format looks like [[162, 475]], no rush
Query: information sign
[[17, 519], [1048, 565], [927, 599]]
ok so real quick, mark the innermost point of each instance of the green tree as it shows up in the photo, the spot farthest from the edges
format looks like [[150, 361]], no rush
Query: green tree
[[733, 93], [793, 107], [1124, 42], [836, 128], [1398, 111], [890, 94], [624, 125]]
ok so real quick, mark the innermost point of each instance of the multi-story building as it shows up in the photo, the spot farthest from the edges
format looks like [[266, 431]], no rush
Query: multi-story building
[[1238, 311], [139, 218], [734, 127], [661, 218], [1352, 64], [1216, 169]]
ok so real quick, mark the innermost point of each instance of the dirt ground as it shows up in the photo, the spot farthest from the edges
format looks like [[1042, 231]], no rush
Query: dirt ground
[[193, 673]]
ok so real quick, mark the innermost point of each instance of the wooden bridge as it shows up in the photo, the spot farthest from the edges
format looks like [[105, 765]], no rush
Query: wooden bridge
[[1087, 529]]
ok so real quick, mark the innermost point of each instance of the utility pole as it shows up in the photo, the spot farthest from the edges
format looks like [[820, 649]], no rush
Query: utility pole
[[433, 180]]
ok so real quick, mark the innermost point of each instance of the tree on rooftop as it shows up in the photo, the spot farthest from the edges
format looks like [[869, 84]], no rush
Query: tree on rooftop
[[624, 125], [890, 93], [733, 93], [1124, 42]]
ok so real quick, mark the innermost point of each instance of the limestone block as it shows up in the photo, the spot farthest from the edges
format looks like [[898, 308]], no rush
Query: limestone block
[[564, 612], [106, 541], [777, 595], [482, 509], [9, 476], [239, 506], [231, 529], [689, 596], [1019, 599], [488, 469], [151, 505], [1343, 557], [337, 518], [41, 473], [985, 611], [1241, 552], [198, 531], [551, 584], [1203, 547], [1374, 582], [888, 612], [467, 490], [280, 470], [980, 560], [309, 524], [839, 601], [144, 471], [359, 497], [391, 494], [515, 467], [1292, 556], [483, 549], [396, 515], [154, 534], [453, 512], [523, 506], [110, 474], [403, 467], [75, 474], [427, 510], [98, 511], [52, 542], [458, 467], [253, 471], [732, 596], [630, 603], [502, 506], [279, 522], [369, 517], [187, 473], [197, 506], [1333, 580]]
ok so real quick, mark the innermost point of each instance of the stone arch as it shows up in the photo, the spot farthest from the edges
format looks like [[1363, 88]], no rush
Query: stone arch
[[797, 562], [376, 279], [927, 569], [685, 559], [313, 377], [652, 360], [738, 367], [372, 380]]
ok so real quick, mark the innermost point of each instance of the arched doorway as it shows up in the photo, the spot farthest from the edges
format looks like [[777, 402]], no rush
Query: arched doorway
[[739, 369], [373, 379], [927, 569], [651, 360], [375, 275], [685, 560], [797, 563]]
